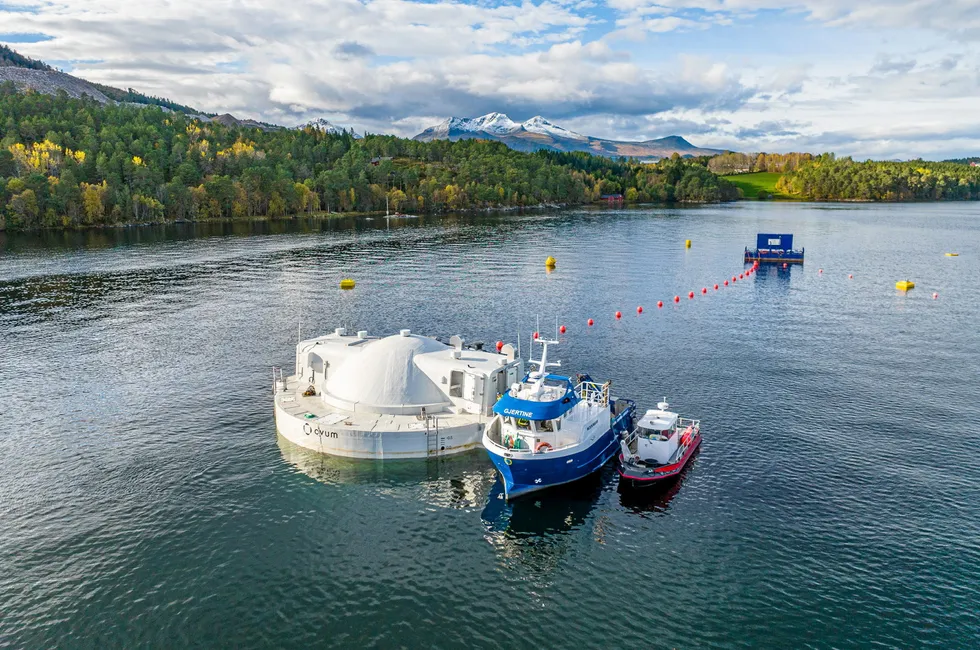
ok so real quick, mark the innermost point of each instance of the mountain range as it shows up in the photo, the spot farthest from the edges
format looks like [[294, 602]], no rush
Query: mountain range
[[531, 135], [538, 133]]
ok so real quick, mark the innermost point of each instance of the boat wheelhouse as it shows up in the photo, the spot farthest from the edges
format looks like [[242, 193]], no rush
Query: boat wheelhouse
[[549, 430], [402, 396], [775, 249], [658, 448]]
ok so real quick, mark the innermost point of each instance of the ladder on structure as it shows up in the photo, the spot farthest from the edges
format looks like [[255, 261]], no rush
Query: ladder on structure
[[432, 435]]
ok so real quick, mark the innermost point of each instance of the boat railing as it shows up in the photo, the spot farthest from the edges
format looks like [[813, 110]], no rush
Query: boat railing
[[593, 392], [278, 381], [683, 424]]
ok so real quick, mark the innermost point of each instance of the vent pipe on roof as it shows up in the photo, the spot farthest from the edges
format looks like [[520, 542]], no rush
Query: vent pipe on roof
[[340, 331], [405, 332], [456, 342], [362, 334]]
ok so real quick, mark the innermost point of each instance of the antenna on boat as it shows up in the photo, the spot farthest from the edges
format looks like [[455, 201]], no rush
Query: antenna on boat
[[519, 338], [299, 331]]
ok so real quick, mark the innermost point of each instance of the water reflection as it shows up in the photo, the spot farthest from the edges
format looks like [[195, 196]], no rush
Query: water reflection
[[656, 498], [458, 481], [535, 529]]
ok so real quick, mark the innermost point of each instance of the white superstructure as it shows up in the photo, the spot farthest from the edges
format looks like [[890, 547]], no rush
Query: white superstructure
[[401, 396]]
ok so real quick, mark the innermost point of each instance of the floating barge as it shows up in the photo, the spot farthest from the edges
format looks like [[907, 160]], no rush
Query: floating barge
[[775, 249]]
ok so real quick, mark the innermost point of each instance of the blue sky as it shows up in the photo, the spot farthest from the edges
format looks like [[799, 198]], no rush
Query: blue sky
[[880, 78]]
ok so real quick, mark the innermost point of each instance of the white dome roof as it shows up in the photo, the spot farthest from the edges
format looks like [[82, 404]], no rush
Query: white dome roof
[[383, 377]]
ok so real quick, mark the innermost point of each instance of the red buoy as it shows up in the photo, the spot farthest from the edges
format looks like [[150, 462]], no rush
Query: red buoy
[[819, 270], [660, 303], [500, 346], [935, 295], [741, 276], [690, 294], [562, 329], [639, 310], [716, 287], [535, 335], [850, 276], [591, 322], [785, 265], [704, 290], [677, 298], [726, 283], [619, 314]]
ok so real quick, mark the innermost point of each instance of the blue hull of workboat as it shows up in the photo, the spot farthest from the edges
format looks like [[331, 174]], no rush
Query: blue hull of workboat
[[541, 471]]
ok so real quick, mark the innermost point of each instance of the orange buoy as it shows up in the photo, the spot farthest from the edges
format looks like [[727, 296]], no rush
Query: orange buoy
[[562, 329], [535, 335], [677, 298], [591, 322], [660, 303], [500, 346], [716, 287], [639, 310], [619, 314], [690, 294]]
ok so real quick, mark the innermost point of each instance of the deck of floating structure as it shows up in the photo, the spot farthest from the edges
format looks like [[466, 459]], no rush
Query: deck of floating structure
[[792, 257]]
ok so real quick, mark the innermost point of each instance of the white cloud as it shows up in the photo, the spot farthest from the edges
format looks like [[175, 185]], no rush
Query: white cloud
[[401, 65]]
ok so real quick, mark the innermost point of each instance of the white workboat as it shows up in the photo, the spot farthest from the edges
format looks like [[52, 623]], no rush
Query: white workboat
[[401, 396]]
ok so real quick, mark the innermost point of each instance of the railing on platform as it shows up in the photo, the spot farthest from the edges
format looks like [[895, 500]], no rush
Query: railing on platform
[[593, 392], [278, 381]]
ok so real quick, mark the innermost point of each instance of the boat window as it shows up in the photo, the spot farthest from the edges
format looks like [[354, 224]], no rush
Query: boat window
[[545, 425], [521, 423]]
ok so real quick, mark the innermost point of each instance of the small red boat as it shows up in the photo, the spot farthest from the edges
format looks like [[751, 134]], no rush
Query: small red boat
[[658, 448]]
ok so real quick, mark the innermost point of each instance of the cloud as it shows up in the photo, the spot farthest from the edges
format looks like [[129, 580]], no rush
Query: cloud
[[624, 69]]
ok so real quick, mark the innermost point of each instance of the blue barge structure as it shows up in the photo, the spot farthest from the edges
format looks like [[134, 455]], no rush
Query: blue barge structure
[[774, 248]]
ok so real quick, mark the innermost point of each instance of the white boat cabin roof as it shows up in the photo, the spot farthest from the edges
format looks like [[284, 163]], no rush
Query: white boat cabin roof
[[400, 373], [658, 420]]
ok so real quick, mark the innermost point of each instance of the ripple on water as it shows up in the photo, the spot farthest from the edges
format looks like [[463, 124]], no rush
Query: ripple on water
[[145, 498]]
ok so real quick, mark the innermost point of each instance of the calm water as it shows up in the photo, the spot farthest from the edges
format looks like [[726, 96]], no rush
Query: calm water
[[146, 500]]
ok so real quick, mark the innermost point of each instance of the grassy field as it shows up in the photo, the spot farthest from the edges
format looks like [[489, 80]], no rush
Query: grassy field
[[752, 184]]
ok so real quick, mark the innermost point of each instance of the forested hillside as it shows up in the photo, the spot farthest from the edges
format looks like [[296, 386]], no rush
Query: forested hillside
[[9, 57], [828, 178], [73, 162]]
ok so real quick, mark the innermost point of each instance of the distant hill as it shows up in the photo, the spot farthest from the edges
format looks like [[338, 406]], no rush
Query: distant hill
[[27, 73], [972, 160], [11, 59], [538, 133]]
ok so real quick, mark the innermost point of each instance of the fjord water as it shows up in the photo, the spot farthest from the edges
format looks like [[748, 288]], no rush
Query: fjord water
[[146, 500]]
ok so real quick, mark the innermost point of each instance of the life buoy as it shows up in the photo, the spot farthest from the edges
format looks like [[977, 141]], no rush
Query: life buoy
[[523, 423], [542, 445], [508, 461]]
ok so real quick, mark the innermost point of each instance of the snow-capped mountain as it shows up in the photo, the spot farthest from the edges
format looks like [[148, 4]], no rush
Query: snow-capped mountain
[[325, 125], [538, 124], [539, 133]]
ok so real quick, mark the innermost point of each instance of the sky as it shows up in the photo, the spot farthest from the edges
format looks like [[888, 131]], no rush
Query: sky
[[886, 79]]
